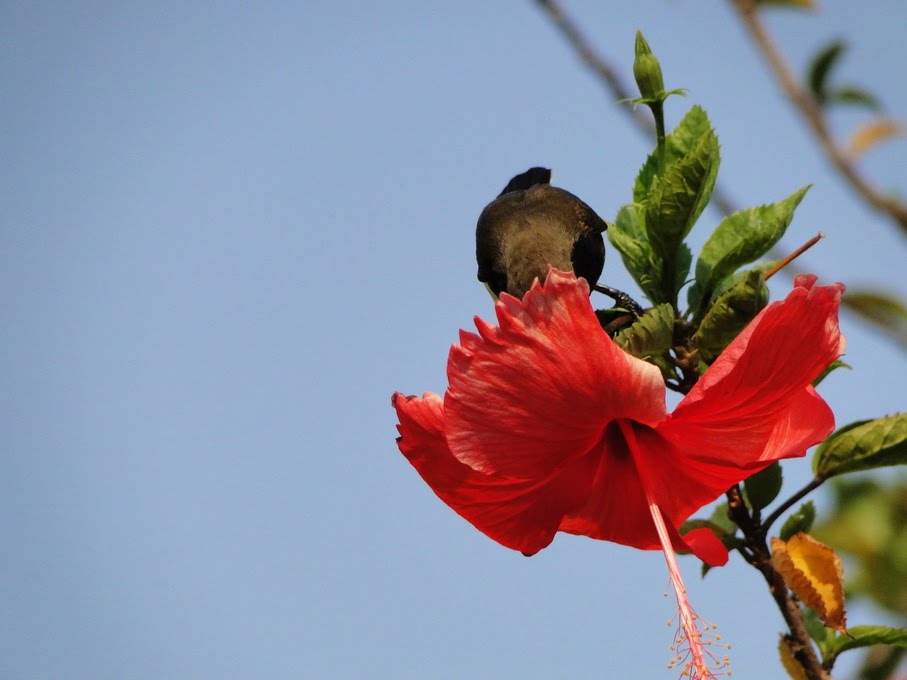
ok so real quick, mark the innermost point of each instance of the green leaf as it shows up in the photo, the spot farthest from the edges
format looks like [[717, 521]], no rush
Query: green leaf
[[719, 522], [675, 203], [853, 95], [724, 527], [651, 335], [834, 365], [802, 520], [677, 199], [730, 314], [863, 445], [816, 629], [882, 308], [721, 517], [607, 316], [628, 236], [738, 276], [740, 239], [865, 636], [684, 261], [764, 486], [867, 524], [820, 67], [679, 143]]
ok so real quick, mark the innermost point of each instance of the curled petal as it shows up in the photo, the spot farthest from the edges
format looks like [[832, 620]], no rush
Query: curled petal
[[536, 392], [681, 482], [520, 514], [755, 404]]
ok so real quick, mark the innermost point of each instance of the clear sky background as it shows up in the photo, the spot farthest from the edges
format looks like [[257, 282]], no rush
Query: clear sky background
[[231, 230]]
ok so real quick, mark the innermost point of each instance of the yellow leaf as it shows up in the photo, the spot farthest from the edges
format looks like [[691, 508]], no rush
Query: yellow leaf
[[814, 573], [789, 661], [867, 136], [804, 4]]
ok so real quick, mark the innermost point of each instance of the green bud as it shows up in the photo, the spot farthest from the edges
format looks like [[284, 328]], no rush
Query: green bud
[[647, 70]]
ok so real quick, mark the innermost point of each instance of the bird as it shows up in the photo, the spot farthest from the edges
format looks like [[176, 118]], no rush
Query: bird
[[532, 225]]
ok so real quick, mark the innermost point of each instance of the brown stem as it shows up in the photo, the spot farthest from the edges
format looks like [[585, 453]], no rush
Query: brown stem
[[798, 639], [793, 256], [814, 116], [761, 558]]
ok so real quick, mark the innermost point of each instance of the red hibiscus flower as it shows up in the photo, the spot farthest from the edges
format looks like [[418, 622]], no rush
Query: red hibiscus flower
[[549, 426]]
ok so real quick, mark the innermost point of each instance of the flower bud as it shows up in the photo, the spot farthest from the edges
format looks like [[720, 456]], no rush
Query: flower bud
[[647, 70]]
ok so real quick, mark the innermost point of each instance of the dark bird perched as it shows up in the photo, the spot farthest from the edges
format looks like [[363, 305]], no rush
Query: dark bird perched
[[531, 225]]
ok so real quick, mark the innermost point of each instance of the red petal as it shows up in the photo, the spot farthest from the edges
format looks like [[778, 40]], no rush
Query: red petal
[[706, 546], [617, 509], [519, 514], [537, 391], [755, 403], [679, 483]]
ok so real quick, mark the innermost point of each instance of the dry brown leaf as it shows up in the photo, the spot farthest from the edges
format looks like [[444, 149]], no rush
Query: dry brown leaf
[[867, 136], [815, 574], [789, 661]]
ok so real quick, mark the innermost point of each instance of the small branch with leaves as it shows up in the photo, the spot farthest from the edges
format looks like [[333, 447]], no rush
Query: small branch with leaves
[[883, 311], [810, 107], [804, 576]]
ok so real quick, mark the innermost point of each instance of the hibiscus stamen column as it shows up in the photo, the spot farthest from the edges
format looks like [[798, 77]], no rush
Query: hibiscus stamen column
[[693, 637], [698, 667]]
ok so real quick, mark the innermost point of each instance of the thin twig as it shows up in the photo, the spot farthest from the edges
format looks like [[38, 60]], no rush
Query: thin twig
[[793, 256], [785, 506], [606, 73], [815, 117]]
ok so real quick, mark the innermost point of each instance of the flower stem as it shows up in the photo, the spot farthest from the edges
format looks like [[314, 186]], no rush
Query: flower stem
[[659, 115], [781, 509]]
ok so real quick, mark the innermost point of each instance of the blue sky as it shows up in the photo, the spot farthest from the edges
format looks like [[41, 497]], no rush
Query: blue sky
[[231, 230]]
